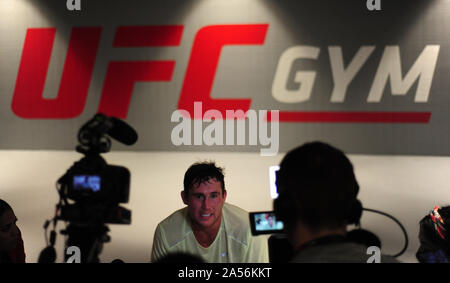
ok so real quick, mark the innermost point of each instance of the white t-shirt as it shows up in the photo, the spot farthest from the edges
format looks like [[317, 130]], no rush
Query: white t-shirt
[[234, 242]]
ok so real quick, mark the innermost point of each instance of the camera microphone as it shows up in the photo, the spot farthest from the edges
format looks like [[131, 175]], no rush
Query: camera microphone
[[122, 132], [92, 131]]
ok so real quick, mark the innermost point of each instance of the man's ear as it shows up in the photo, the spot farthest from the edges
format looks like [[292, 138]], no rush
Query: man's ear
[[184, 197], [224, 195]]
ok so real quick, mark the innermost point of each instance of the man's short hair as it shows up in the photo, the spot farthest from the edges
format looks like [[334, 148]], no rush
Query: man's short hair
[[202, 172], [317, 183]]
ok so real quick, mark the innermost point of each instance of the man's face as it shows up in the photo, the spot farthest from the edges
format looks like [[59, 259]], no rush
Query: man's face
[[270, 219], [9, 233], [205, 202]]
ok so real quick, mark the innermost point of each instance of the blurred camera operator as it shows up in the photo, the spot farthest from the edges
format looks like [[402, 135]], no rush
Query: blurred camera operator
[[317, 200]]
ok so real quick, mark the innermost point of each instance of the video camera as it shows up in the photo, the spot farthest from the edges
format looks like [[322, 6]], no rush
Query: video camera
[[91, 190], [96, 187], [97, 192], [105, 183]]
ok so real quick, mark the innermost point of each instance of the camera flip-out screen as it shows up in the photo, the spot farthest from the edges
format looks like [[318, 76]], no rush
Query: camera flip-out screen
[[265, 222], [87, 182]]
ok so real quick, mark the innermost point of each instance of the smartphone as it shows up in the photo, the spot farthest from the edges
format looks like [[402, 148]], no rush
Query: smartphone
[[265, 222]]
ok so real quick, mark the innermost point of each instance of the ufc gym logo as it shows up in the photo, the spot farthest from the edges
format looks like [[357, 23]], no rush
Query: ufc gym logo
[[121, 75], [208, 43]]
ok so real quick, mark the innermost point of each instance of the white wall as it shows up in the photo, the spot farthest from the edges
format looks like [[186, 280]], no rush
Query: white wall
[[406, 187]]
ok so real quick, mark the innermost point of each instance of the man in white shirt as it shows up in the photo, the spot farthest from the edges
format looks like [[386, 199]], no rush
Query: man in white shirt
[[208, 227]]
